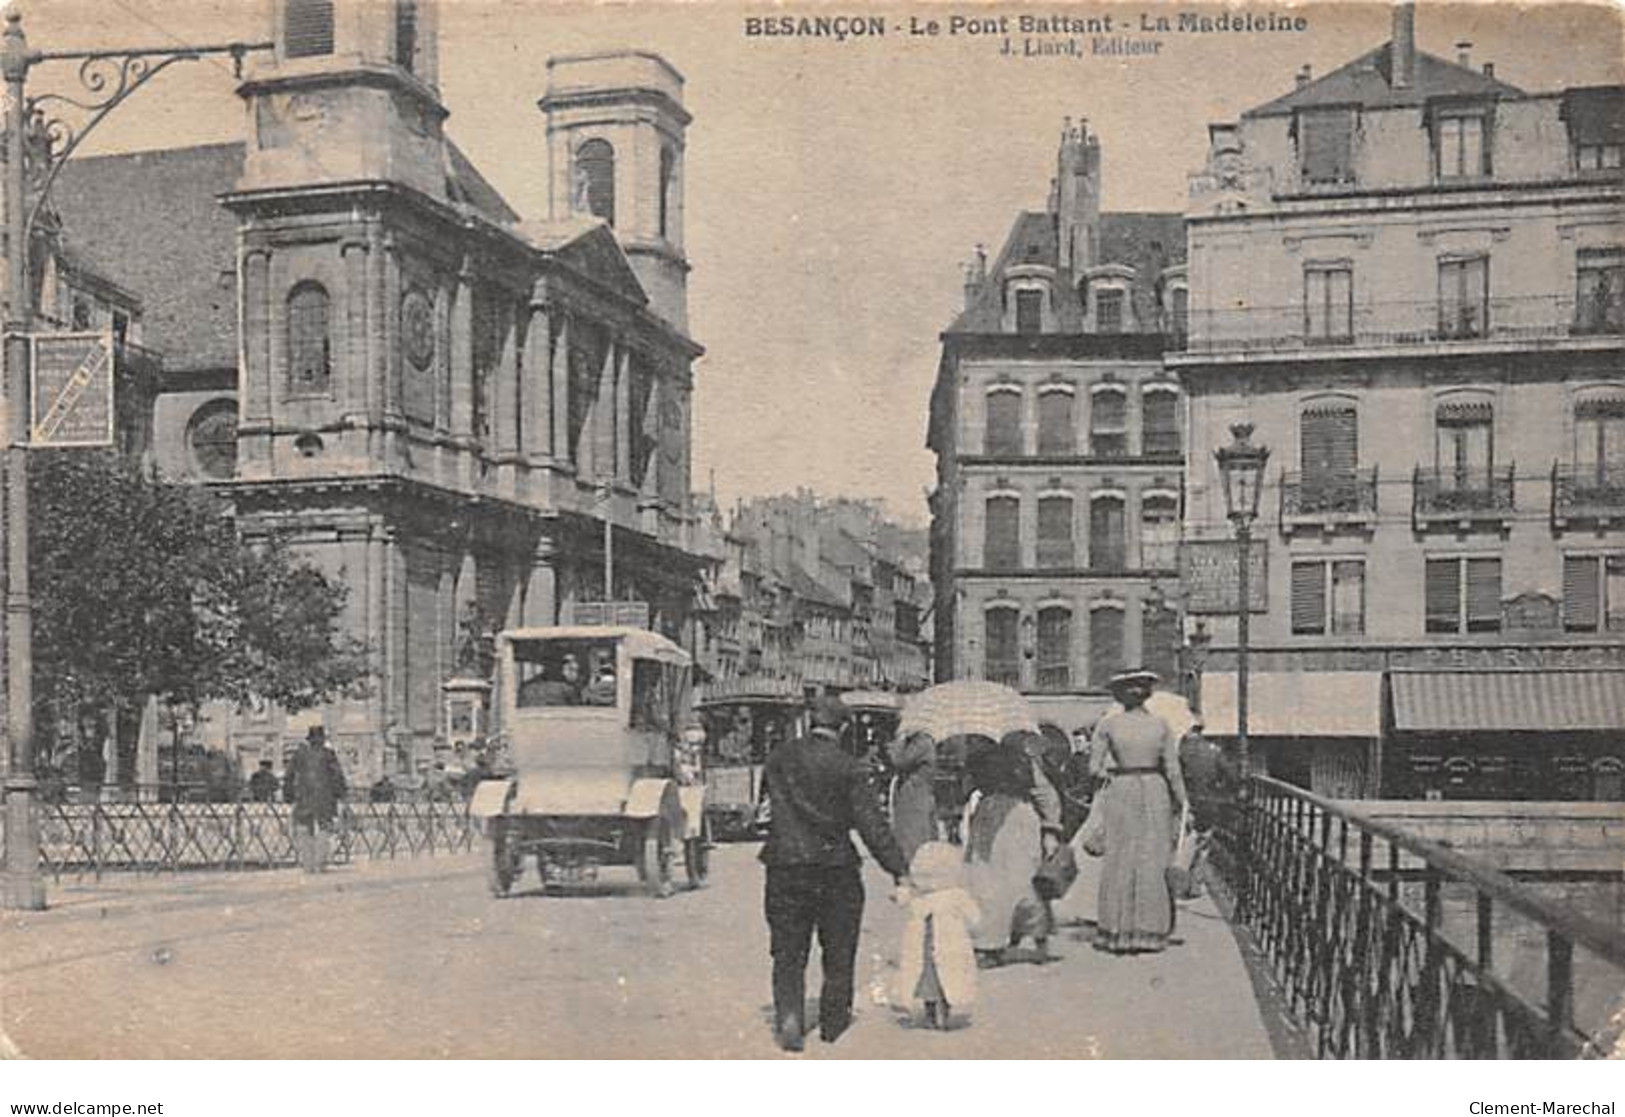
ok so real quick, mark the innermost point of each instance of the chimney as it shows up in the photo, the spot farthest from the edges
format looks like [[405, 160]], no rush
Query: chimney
[[1402, 49], [1489, 70], [1304, 75], [1464, 53], [975, 276]]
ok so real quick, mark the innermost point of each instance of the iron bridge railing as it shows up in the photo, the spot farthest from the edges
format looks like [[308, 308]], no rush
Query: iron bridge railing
[[79, 839], [1386, 945]]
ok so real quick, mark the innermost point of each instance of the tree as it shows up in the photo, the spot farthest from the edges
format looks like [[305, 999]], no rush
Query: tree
[[143, 587]]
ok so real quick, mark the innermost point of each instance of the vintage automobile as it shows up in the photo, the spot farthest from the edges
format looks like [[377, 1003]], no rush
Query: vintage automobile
[[872, 726], [745, 719], [594, 720]]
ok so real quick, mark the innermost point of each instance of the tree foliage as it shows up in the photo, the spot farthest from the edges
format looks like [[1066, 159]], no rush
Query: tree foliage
[[144, 587]]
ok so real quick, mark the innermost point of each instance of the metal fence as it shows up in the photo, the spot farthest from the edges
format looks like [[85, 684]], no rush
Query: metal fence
[[1389, 946], [78, 839]]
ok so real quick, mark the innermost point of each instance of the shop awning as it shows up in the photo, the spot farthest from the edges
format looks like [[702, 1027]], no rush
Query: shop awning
[[1295, 704], [1532, 701]]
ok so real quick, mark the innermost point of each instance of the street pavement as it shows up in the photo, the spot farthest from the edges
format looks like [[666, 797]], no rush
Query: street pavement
[[415, 959]]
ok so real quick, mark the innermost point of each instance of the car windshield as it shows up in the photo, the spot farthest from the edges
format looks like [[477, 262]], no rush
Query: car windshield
[[578, 672], [746, 734]]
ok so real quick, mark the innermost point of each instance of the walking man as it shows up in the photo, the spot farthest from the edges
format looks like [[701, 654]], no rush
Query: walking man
[[314, 784], [814, 883]]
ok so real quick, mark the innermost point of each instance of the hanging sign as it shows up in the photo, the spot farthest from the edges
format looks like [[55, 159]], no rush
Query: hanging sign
[[71, 389]]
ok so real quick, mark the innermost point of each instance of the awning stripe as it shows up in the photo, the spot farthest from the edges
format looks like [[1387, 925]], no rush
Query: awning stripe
[[1515, 701]]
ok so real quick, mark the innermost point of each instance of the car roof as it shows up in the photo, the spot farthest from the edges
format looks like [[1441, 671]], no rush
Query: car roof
[[640, 642]]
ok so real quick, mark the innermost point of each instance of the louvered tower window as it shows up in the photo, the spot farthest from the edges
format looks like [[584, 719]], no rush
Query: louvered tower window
[[307, 28]]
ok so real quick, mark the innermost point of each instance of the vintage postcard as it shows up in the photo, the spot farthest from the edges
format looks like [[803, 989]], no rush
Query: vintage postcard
[[814, 530]]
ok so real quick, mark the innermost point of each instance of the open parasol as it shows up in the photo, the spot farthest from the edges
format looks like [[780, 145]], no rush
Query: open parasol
[[966, 706]]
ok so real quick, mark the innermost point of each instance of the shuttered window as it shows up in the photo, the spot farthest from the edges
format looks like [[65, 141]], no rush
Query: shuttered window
[[1107, 546], [1329, 441], [1582, 593], [1484, 595], [1029, 312], [1003, 437], [406, 33], [1443, 595], [1002, 546], [1328, 303], [1055, 430], [1105, 646], [310, 351], [1159, 414], [307, 28], [1003, 653], [1055, 531], [1054, 648], [1464, 297], [1326, 145], [1348, 598], [1599, 441], [595, 179], [1308, 598], [1108, 423]]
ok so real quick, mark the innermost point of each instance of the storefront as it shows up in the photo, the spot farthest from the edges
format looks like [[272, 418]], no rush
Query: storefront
[[1321, 730]]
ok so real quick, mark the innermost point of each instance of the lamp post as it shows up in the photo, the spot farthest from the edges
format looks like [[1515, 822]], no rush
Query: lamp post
[[1241, 465], [41, 133]]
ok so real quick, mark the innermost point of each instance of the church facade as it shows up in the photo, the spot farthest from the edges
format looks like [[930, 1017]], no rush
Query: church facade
[[436, 402]]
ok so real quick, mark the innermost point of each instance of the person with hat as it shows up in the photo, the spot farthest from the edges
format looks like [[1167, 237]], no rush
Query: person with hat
[[314, 784], [1144, 797], [820, 794]]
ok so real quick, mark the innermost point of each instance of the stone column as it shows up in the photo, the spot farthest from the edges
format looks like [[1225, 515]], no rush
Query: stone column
[[536, 385], [623, 417], [352, 364], [541, 590], [561, 392], [258, 378], [505, 397], [462, 354]]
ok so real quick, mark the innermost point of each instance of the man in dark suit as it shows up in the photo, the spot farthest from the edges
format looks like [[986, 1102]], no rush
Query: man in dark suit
[[820, 794]]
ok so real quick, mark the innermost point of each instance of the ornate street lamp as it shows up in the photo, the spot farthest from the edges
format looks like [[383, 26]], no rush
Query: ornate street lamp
[[1241, 464]]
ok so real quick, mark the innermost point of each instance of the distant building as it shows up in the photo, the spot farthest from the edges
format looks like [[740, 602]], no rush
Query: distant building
[[372, 355], [1059, 445], [1410, 276]]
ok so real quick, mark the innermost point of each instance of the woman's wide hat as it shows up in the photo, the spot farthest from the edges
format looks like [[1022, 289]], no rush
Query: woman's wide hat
[[1139, 675]]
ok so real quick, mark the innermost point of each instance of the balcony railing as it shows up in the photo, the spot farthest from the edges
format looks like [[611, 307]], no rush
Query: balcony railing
[[1329, 497], [1385, 324], [1458, 495], [1594, 491]]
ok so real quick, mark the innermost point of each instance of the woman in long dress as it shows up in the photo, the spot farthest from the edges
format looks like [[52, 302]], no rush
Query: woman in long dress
[[1145, 796], [1003, 849], [914, 800]]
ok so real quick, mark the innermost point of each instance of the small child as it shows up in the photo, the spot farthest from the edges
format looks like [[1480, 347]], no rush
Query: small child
[[937, 964]]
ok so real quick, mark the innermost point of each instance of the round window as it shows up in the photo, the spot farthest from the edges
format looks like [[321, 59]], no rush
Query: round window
[[213, 439]]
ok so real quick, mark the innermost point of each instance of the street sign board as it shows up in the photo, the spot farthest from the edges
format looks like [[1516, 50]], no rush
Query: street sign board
[[1209, 571], [71, 389], [632, 614]]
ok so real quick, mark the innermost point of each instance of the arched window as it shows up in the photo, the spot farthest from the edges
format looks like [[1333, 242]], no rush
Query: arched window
[[212, 438], [309, 347], [595, 179], [1001, 549], [668, 178], [1055, 531], [307, 28], [1106, 652], [1108, 545], [406, 34], [1108, 421], [1159, 416], [1054, 648], [1055, 432], [1003, 651], [1003, 436]]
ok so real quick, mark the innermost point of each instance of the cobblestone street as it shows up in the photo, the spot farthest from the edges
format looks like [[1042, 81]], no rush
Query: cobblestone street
[[415, 959]]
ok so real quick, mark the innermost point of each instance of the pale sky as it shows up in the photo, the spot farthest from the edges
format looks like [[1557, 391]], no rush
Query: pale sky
[[834, 188]]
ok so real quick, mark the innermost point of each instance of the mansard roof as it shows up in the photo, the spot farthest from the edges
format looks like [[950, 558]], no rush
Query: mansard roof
[[1366, 82]]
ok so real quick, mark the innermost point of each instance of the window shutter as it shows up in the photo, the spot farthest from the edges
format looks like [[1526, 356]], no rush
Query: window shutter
[[1329, 441], [1105, 646], [1348, 598], [1326, 141], [1055, 531], [1054, 648], [1003, 544], [1055, 434], [307, 28], [1483, 595], [1160, 412], [1003, 656], [1582, 605], [1443, 595], [1614, 593], [1309, 597], [1106, 543], [1003, 423]]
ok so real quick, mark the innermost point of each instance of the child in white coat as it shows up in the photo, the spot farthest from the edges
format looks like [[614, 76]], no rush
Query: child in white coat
[[937, 962]]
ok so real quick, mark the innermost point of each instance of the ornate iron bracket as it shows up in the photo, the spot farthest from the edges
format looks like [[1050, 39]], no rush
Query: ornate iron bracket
[[57, 123]]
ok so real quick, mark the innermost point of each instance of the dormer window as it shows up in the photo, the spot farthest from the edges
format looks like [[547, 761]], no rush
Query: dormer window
[[1107, 307], [1029, 312], [1326, 145], [1027, 307], [1109, 312], [1595, 117], [1461, 140]]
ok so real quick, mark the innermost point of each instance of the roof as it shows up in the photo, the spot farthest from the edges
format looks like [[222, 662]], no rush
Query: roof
[[808, 588], [1146, 242], [640, 642], [1365, 82], [180, 257], [587, 246]]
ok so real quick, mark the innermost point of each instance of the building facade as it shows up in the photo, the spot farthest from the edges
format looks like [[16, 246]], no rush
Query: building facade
[[1409, 276], [438, 402], [1058, 434]]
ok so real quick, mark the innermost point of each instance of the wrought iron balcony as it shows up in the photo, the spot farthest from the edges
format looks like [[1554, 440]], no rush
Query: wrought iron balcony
[[1592, 492], [1461, 496], [1329, 499], [1391, 324]]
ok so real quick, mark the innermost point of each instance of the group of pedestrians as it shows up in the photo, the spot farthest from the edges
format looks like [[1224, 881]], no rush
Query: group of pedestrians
[[972, 900]]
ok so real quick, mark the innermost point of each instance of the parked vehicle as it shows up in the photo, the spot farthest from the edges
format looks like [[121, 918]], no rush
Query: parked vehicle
[[745, 719], [593, 720]]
